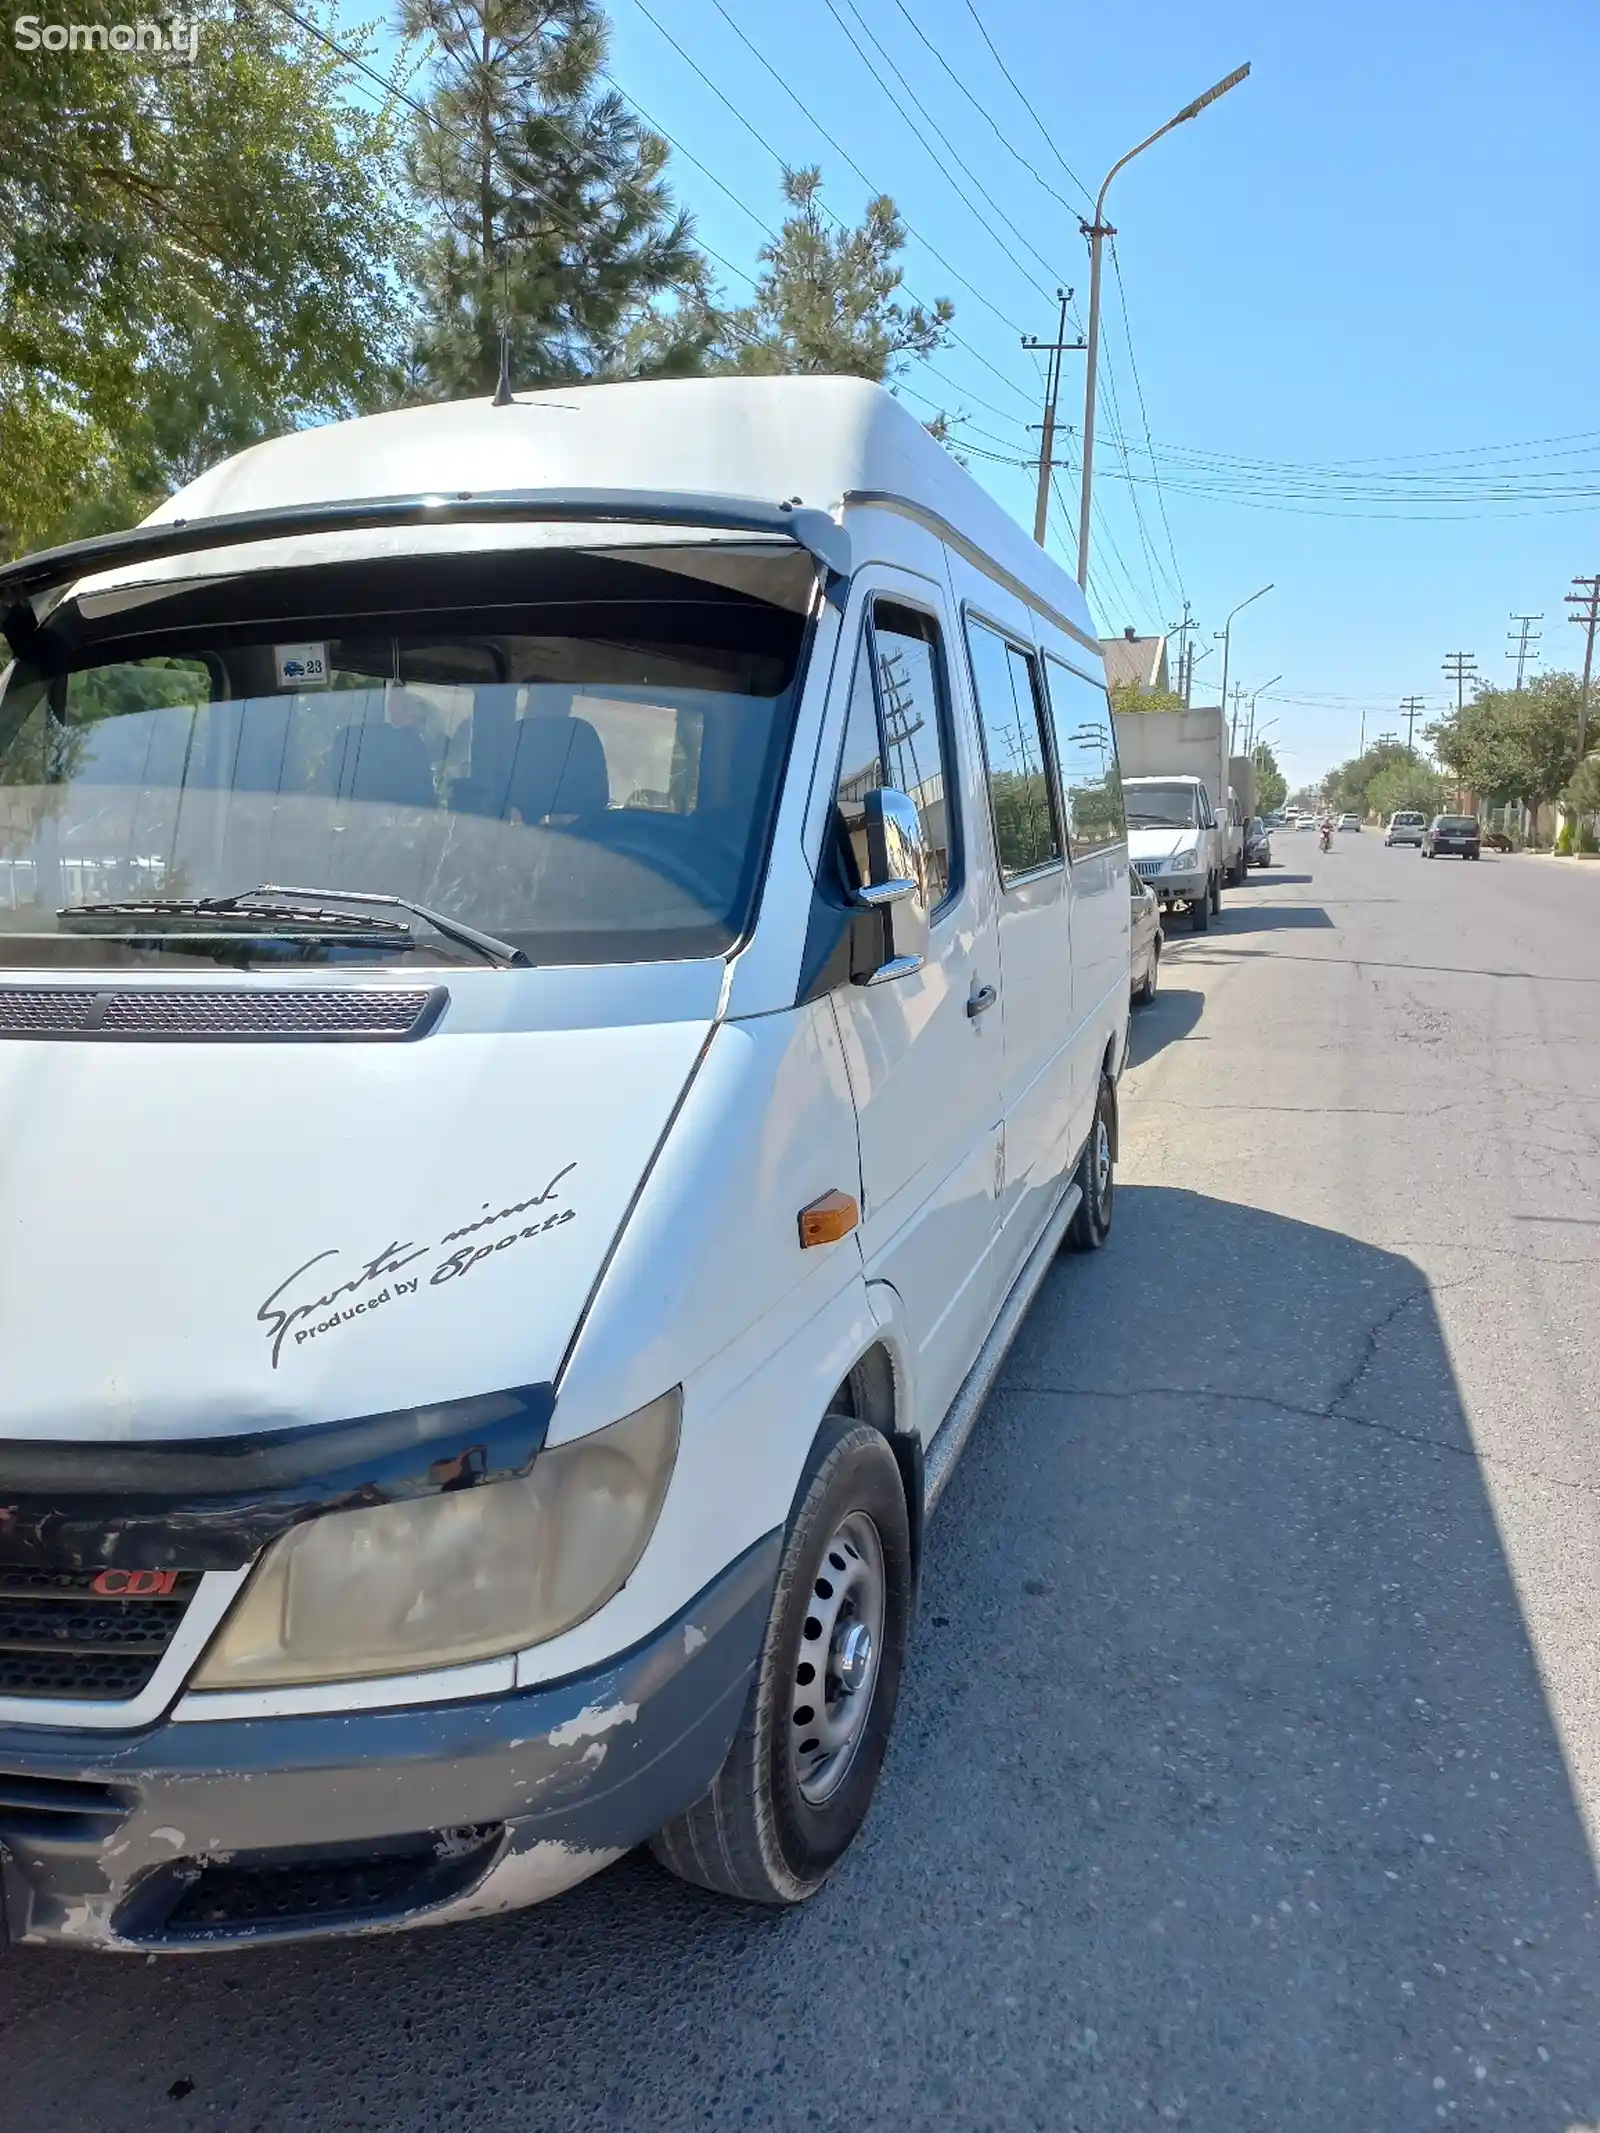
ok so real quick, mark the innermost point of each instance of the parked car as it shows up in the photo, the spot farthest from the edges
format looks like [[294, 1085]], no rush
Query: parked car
[[475, 1410], [1451, 833], [1257, 843], [1177, 841], [1406, 827], [1350, 822], [1145, 939]]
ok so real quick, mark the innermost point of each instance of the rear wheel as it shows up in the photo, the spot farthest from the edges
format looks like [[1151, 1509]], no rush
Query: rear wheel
[[1147, 990], [1096, 1175], [798, 1780]]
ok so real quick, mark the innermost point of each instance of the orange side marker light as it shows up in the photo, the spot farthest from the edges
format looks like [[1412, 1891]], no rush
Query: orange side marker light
[[826, 1220]]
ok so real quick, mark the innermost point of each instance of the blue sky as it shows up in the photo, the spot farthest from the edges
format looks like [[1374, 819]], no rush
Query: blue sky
[[1374, 250]]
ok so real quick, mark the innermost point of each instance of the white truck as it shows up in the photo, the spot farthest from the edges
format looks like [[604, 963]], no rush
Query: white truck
[[1185, 837]]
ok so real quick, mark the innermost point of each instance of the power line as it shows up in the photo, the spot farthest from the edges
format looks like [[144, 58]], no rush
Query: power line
[[986, 114], [738, 200], [1127, 330], [838, 148], [952, 151], [1049, 138]]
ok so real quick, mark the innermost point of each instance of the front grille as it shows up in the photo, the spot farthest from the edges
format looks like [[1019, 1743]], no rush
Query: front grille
[[59, 1638], [210, 1014], [257, 1898], [1144, 868]]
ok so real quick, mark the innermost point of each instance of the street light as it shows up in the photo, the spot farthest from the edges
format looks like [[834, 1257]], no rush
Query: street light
[[1096, 232], [1226, 634], [1250, 731]]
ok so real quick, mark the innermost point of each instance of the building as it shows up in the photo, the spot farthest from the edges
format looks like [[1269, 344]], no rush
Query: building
[[1140, 660]]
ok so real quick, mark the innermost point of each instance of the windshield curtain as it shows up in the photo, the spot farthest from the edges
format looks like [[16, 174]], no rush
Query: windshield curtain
[[589, 778], [1160, 806]]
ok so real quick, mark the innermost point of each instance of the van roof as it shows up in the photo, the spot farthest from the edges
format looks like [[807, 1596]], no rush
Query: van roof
[[831, 443]]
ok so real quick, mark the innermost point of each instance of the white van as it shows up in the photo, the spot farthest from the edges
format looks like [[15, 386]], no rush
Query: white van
[[567, 979]]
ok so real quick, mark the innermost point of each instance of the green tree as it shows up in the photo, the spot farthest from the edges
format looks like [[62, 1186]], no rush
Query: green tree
[[1406, 785], [1582, 791], [193, 253], [1272, 787], [831, 300], [1348, 786], [1514, 744], [546, 209], [1128, 696]]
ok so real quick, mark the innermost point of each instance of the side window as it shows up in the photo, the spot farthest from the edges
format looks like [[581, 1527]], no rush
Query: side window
[[1009, 710], [895, 734], [1087, 753]]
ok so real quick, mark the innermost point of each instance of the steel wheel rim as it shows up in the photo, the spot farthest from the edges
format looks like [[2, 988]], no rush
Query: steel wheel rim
[[1102, 1161], [837, 1665]]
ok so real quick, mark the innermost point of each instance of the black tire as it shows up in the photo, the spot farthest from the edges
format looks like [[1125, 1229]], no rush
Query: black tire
[[1474, 855], [1096, 1176], [1216, 896], [1146, 990], [756, 1835], [1200, 911]]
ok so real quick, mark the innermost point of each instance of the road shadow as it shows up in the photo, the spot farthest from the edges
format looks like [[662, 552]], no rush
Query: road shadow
[[1224, 1794], [1272, 918], [1171, 1015], [1273, 877]]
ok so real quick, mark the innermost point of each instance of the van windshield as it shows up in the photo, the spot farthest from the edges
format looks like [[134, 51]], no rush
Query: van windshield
[[1159, 806], [582, 762]]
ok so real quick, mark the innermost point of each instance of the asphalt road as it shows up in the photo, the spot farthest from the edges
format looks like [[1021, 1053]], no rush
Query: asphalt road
[[1248, 1764]]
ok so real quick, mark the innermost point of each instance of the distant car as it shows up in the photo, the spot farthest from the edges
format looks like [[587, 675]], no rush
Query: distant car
[[1452, 833], [1145, 939], [1276, 821], [1306, 822], [1350, 822], [1257, 843], [1406, 827]]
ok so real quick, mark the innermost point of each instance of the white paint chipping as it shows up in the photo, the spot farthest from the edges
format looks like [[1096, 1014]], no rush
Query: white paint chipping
[[592, 1719]]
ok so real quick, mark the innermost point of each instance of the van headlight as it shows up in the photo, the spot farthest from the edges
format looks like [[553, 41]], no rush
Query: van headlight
[[1181, 862], [470, 1574]]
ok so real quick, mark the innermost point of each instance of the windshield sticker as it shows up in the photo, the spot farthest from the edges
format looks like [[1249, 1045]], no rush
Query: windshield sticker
[[302, 666], [380, 1281]]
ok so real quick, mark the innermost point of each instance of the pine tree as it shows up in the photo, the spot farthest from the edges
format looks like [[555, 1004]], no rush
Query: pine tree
[[829, 300], [547, 209]]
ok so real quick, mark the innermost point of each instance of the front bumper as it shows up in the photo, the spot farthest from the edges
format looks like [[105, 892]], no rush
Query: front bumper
[[1179, 888], [224, 1833]]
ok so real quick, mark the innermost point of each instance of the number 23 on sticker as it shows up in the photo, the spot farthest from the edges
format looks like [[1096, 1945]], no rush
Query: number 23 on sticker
[[301, 666]]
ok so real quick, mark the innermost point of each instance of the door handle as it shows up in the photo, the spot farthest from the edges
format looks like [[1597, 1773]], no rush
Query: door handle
[[982, 999]]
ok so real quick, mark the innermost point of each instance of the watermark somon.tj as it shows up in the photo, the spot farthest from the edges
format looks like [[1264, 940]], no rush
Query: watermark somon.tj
[[177, 36]]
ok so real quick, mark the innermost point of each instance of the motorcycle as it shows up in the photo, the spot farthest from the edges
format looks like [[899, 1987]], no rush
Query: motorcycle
[[1327, 836]]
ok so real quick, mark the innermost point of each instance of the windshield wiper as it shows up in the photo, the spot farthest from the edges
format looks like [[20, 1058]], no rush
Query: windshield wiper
[[302, 910]]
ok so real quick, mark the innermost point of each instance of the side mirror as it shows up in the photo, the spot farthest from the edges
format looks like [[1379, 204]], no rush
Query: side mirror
[[892, 938]]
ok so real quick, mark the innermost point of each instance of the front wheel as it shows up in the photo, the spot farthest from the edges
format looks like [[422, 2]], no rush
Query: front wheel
[[798, 1780], [1096, 1175]]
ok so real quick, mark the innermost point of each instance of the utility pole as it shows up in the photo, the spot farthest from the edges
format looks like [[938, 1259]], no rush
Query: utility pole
[[1233, 730], [1181, 630], [1460, 667], [1412, 707], [1053, 352], [1527, 637], [1585, 603]]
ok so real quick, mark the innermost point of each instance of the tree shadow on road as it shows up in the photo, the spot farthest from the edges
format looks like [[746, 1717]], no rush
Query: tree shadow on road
[[1272, 918], [1224, 1794]]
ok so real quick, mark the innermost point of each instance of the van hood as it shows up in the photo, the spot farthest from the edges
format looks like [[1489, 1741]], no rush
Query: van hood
[[1161, 843], [203, 1239]]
